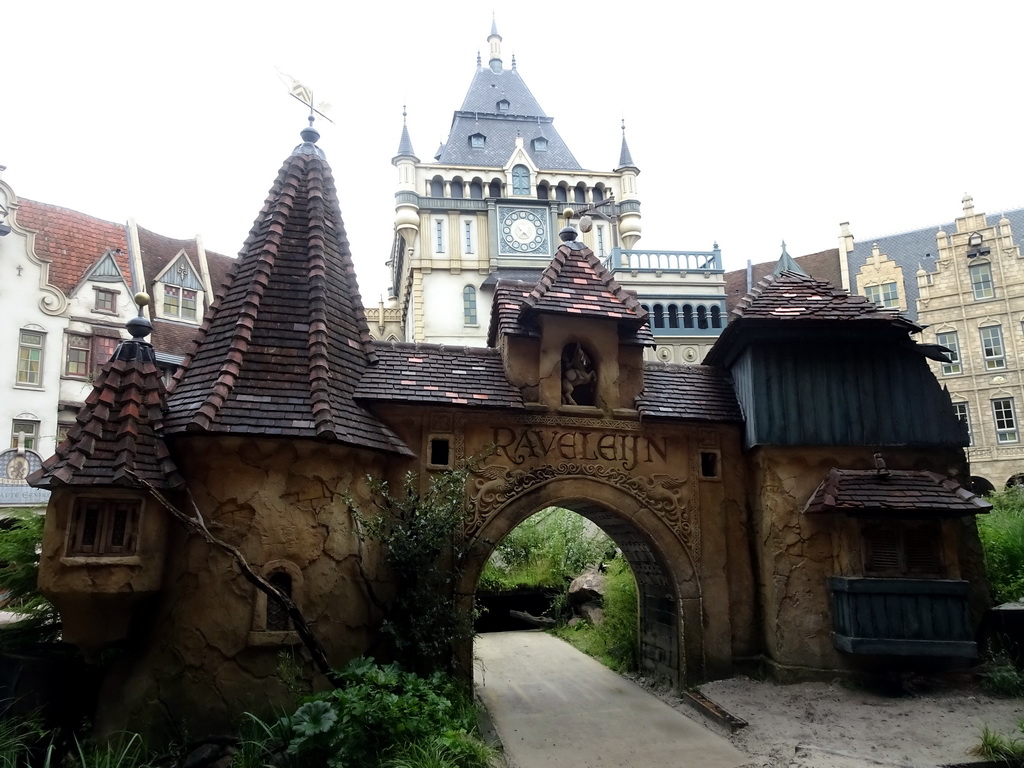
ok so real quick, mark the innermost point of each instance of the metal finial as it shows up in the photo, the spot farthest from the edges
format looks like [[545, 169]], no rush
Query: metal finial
[[140, 326]]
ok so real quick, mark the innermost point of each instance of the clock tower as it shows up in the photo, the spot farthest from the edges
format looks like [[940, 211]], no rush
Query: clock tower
[[487, 207]]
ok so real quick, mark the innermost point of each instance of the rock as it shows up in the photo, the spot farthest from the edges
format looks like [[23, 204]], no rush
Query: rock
[[574, 621], [588, 587], [214, 752], [534, 621], [592, 612]]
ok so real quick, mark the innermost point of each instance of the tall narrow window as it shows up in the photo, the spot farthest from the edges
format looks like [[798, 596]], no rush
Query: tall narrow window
[[981, 280], [702, 317], [30, 358], [469, 305], [963, 412], [673, 316], [278, 619], [949, 340], [438, 236], [1006, 420], [687, 316], [600, 241], [456, 188], [520, 180], [26, 431], [992, 347], [79, 352], [716, 317], [437, 187], [580, 194], [469, 236], [659, 316]]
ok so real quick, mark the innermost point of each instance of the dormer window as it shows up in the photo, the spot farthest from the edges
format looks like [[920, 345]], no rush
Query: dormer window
[[477, 141], [503, 105], [540, 144], [179, 302], [179, 292], [975, 246]]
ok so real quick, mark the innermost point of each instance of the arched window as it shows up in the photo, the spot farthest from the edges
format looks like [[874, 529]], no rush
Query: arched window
[[702, 317], [716, 317], [520, 180], [436, 187], [561, 195], [580, 194], [271, 624], [659, 316], [687, 316], [469, 305], [598, 195], [476, 190], [456, 189], [543, 191], [579, 376], [673, 316], [494, 189], [277, 617]]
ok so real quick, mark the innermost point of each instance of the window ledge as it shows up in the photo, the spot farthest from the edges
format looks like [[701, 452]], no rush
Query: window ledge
[[263, 638], [101, 560]]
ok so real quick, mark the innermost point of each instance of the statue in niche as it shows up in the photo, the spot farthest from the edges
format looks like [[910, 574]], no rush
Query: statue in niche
[[578, 376]]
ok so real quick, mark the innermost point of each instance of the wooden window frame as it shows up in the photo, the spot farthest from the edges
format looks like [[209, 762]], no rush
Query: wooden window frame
[[29, 372], [909, 543], [104, 527]]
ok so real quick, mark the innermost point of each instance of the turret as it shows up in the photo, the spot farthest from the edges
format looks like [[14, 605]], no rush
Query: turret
[[407, 210], [629, 205]]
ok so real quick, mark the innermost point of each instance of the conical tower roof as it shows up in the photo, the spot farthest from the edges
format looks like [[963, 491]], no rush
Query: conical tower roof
[[405, 143], [625, 158], [286, 342], [117, 434]]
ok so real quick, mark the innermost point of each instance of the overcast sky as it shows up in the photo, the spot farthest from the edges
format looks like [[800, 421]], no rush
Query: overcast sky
[[750, 121]]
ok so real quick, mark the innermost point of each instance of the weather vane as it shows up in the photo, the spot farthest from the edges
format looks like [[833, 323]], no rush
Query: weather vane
[[304, 93]]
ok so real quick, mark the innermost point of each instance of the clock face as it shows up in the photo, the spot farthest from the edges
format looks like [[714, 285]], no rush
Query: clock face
[[523, 231]]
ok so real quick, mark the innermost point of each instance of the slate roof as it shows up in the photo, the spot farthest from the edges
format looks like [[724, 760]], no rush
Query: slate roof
[[524, 117], [689, 392], [117, 431], [917, 249], [894, 493], [70, 241], [439, 375], [509, 299], [281, 351]]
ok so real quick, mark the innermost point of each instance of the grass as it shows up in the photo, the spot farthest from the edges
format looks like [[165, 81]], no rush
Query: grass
[[1008, 750], [1002, 536]]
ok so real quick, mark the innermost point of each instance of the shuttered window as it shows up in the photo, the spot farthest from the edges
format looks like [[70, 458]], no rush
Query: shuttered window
[[104, 527], [902, 549]]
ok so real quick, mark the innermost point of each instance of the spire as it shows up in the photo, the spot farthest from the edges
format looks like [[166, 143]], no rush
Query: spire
[[405, 143], [495, 40], [116, 436], [286, 342], [625, 159], [787, 263]]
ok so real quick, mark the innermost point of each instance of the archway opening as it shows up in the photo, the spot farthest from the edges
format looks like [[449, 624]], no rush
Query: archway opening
[[659, 626]]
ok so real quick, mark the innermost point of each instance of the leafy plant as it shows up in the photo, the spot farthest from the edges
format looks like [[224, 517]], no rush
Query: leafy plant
[[20, 536], [383, 713], [1000, 677], [128, 751], [419, 534], [19, 737], [1002, 536]]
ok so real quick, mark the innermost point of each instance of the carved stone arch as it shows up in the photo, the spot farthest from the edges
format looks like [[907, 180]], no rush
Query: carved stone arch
[[656, 543]]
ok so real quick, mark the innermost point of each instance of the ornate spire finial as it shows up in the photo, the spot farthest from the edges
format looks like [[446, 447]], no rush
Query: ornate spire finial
[[513, 61], [479, 61], [140, 327]]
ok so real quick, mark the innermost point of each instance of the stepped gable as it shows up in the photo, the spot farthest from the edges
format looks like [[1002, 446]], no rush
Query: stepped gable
[[118, 431], [440, 375], [893, 493], [281, 350], [697, 392], [70, 241], [576, 283]]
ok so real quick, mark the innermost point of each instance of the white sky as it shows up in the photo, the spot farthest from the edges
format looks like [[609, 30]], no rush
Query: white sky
[[750, 121]]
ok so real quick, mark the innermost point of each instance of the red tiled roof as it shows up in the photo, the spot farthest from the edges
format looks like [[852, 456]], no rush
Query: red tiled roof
[[432, 373], [281, 351], [688, 392], [893, 493], [509, 297], [70, 241], [117, 430]]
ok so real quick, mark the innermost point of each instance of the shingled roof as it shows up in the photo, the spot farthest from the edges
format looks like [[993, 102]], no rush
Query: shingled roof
[[441, 375], [688, 392], [793, 300], [281, 351], [70, 241], [117, 431], [893, 493]]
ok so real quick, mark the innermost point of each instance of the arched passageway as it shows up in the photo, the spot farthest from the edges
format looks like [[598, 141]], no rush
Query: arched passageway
[[668, 591]]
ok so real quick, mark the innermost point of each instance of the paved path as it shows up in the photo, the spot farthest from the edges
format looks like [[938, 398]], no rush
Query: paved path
[[554, 706]]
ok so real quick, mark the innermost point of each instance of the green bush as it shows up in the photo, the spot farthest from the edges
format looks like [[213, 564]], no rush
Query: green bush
[[382, 713], [20, 535], [548, 551], [1002, 536]]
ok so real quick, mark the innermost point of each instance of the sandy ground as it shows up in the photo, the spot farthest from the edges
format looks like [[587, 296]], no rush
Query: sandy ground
[[823, 725]]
